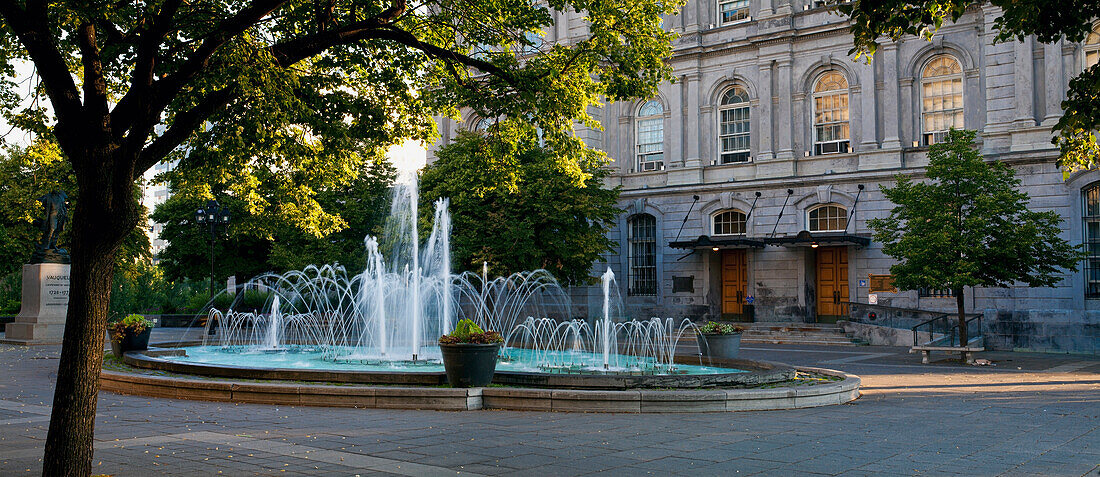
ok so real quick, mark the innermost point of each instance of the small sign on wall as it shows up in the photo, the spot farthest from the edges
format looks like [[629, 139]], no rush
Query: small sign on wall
[[881, 283], [683, 284], [862, 283], [872, 299]]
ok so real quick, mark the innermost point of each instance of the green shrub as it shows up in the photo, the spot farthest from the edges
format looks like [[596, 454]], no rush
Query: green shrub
[[466, 331], [715, 328], [11, 292], [129, 326]]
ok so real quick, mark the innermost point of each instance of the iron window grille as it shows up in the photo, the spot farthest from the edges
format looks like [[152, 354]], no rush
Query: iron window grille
[[642, 240], [934, 293], [1091, 217]]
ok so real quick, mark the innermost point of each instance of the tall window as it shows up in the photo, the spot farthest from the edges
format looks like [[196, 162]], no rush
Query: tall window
[[941, 98], [651, 136], [828, 218], [642, 240], [730, 222], [732, 11], [831, 131], [1092, 47], [483, 124], [733, 126], [1091, 197]]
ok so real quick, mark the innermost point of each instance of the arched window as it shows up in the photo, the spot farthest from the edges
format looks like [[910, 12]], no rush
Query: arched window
[[729, 222], [642, 241], [483, 124], [831, 130], [827, 218], [1092, 47], [733, 126], [941, 98], [651, 136], [1090, 197]]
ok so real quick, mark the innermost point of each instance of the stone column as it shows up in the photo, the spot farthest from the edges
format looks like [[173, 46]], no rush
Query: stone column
[[867, 119], [692, 124], [764, 124], [891, 138], [1023, 83], [1055, 82], [41, 318], [783, 117]]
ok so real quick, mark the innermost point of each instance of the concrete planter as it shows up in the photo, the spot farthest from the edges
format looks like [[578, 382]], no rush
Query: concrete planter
[[120, 344], [720, 346], [470, 365]]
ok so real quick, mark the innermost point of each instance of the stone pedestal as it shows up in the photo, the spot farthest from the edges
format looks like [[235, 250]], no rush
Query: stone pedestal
[[41, 319]]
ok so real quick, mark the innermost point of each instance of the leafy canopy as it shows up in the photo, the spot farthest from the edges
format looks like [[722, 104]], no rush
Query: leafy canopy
[[521, 206], [969, 225], [1049, 21]]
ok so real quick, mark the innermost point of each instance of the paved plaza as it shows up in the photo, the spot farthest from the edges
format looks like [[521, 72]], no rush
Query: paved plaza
[[1031, 414]]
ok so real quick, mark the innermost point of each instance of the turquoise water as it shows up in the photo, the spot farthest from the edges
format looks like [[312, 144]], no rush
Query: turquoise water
[[520, 360]]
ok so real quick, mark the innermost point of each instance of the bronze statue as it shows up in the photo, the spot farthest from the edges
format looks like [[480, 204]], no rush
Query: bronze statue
[[57, 212]]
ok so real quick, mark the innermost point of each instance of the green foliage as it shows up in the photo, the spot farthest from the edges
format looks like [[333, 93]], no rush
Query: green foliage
[[129, 326], [715, 328], [11, 292], [25, 175], [466, 331], [521, 206], [969, 226], [1049, 22]]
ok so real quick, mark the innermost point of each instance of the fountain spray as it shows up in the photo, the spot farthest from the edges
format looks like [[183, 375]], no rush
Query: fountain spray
[[606, 283]]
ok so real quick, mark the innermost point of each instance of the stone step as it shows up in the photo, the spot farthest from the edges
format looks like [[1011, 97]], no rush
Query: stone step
[[794, 341]]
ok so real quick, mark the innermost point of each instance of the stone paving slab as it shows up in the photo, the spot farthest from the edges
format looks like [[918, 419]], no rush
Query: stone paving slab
[[912, 419]]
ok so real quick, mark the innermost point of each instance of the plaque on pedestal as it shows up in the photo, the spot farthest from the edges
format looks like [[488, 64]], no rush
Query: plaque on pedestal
[[41, 319]]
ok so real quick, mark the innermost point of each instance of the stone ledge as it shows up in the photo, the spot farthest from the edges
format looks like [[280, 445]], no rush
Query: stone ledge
[[520, 399]]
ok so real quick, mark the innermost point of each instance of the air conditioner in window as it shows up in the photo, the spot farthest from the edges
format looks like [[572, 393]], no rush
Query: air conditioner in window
[[651, 166]]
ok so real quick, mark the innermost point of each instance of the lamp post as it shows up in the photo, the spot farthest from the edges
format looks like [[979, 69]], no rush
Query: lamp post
[[216, 218]]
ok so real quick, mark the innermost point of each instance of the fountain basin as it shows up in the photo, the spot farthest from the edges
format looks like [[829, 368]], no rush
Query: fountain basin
[[430, 373]]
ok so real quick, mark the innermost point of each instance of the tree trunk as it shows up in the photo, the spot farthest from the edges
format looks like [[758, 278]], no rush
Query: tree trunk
[[106, 212], [962, 315]]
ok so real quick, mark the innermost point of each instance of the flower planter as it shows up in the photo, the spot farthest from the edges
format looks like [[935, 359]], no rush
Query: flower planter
[[128, 342], [720, 346], [470, 365]]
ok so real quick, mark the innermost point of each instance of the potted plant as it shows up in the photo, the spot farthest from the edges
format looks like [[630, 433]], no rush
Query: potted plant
[[470, 355], [130, 334], [720, 340]]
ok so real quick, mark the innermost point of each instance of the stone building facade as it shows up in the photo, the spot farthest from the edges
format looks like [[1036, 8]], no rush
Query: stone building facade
[[750, 179]]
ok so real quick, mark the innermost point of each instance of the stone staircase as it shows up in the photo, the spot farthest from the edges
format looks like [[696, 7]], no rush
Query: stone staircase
[[799, 333]]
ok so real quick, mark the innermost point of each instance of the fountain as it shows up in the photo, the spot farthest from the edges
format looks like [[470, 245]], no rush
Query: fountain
[[388, 316]]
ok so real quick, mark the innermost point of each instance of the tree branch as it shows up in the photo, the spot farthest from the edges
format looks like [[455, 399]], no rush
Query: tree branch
[[183, 125], [95, 87], [31, 27]]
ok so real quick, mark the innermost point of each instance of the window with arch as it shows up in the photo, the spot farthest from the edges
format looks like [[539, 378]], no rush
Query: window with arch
[[733, 126], [483, 124], [827, 218], [941, 98], [642, 242], [1090, 197], [729, 222], [1092, 47], [733, 11], [831, 128], [651, 136]]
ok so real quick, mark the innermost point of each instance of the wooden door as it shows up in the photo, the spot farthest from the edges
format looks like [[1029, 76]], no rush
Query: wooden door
[[734, 277], [832, 283]]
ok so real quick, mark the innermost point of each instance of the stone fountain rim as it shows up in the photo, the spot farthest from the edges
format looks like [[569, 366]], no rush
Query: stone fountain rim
[[755, 373]]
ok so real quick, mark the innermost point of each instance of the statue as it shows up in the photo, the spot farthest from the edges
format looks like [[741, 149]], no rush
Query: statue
[[57, 212]]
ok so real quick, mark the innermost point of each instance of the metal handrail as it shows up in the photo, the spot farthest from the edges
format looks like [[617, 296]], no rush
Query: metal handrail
[[950, 332]]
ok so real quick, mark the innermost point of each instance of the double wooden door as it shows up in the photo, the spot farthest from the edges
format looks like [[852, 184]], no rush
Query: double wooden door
[[832, 283], [734, 279]]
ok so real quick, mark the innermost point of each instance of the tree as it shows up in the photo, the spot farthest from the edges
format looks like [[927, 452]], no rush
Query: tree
[[516, 206], [1064, 19], [264, 238], [25, 175], [129, 83], [969, 226]]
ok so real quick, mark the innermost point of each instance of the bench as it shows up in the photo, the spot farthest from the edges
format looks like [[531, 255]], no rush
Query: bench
[[967, 351]]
